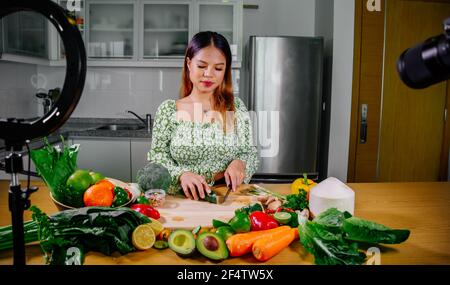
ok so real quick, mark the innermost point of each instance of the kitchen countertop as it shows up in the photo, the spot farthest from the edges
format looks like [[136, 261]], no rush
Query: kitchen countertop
[[422, 207], [88, 127]]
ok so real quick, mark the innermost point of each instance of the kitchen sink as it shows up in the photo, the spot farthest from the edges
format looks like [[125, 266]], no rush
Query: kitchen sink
[[121, 127]]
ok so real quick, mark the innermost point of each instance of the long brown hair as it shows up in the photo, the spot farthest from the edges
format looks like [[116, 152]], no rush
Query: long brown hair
[[223, 99]]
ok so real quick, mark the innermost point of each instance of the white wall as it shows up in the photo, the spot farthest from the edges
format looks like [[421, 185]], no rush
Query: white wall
[[17, 94], [344, 11], [275, 18], [279, 18]]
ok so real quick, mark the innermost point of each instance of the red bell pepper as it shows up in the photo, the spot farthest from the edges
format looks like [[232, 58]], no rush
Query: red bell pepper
[[147, 210], [261, 221]]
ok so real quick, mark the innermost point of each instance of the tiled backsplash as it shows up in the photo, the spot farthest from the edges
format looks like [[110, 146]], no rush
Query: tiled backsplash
[[109, 91]]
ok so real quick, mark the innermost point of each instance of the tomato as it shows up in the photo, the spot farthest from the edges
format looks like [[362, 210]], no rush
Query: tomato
[[98, 195]]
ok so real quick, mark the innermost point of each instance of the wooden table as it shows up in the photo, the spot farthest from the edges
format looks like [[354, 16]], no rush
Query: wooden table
[[424, 208]]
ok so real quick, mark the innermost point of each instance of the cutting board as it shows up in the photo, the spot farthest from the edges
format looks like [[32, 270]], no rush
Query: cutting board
[[183, 213]]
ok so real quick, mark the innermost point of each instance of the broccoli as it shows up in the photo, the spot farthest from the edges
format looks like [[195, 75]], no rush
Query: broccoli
[[153, 176]]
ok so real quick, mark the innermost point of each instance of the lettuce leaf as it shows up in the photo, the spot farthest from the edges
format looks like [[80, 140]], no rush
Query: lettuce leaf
[[367, 231]]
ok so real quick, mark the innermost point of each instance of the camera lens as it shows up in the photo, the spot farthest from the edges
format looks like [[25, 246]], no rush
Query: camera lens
[[425, 64]]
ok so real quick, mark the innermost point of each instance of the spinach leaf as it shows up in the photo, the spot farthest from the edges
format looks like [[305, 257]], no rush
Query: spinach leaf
[[327, 248], [367, 231], [65, 236]]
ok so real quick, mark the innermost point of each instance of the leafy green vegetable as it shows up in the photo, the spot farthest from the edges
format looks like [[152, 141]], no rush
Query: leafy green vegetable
[[55, 165], [297, 201], [332, 237], [65, 236], [250, 209], [366, 231], [328, 249], [294, 220], [331, 218]]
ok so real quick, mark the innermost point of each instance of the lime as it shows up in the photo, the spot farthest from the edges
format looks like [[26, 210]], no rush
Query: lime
[[161, 244], [156, 226], [282, 217], [143, 237], [96, 177], [79, 181]]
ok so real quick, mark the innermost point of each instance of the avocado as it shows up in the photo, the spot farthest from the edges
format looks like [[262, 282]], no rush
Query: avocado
[[212, 246], [182, 242]]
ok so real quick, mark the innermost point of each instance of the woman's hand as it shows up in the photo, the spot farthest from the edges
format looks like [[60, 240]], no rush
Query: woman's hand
[[190, 181], [235, 174]]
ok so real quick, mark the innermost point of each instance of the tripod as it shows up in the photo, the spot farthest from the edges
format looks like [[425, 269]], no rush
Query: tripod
[[18, 199]]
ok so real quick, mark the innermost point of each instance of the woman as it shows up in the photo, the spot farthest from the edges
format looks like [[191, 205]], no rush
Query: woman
[[206, 135]]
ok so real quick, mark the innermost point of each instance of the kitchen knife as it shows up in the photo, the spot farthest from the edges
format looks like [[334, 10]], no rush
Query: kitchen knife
[[226, 194]]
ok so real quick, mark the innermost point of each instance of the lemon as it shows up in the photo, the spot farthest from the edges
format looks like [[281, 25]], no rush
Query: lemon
[[156, 226], [143, 237]]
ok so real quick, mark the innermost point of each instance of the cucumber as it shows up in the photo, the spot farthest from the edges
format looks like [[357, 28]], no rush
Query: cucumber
[[282, 217]]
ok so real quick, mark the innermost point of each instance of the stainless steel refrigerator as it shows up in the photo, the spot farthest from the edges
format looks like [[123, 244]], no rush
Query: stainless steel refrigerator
[[285, 76]]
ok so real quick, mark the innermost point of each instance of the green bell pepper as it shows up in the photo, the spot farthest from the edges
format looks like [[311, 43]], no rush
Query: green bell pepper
[[120, 196], [142, 200], [240, 223]]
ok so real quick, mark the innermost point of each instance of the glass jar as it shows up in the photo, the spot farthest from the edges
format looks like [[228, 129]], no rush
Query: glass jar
[[156, 197]]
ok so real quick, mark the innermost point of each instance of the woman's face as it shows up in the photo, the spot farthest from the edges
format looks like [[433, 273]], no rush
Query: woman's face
[[207, 69]]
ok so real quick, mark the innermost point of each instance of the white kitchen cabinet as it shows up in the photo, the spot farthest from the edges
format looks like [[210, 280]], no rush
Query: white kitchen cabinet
[[139, 33], [223, 17], [166, 28], [139, 150], [111, 29], [109, 156], [25, 33], [77, 12]]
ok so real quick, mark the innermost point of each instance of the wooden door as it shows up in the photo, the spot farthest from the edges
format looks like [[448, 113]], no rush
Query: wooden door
[[367, 90], [412, 121], [407, 136]]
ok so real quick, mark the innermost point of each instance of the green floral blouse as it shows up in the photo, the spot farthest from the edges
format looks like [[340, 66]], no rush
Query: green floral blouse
[[202, 148]]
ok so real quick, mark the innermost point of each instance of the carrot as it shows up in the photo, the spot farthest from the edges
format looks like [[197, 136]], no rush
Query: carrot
[[240, 244], [265, 248]]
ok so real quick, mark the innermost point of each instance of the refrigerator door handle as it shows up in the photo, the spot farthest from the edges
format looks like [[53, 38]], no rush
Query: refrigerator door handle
[[251, 99]]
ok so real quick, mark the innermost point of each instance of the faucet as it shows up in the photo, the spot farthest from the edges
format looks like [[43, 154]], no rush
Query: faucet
[[147, 122], [48, 99], [47, 102]]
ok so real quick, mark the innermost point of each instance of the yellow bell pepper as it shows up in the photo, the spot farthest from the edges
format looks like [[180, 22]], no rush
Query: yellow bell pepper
[[302, 183]]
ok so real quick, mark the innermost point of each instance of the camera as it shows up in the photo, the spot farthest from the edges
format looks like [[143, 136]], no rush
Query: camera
[[427, 63]]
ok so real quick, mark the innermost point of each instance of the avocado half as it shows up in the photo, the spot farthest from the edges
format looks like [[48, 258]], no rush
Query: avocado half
[[182, 242], [212, 246]]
